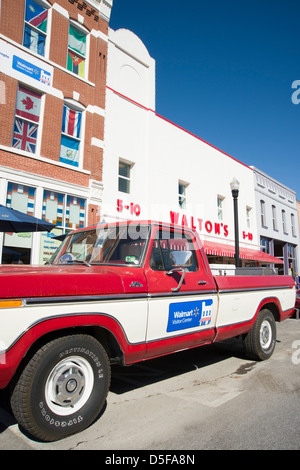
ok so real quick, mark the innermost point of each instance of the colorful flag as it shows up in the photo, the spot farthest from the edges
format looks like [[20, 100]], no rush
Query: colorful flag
[[77, 40], [36, 15], [34, 41], [71, 122], [25, 135], [69, 151], [28, 104], [75, 64]]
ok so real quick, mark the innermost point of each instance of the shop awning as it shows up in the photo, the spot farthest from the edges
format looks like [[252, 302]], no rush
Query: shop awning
[[221, 249]]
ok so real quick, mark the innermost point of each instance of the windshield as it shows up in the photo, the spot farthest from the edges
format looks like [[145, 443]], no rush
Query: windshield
[[121, 245]]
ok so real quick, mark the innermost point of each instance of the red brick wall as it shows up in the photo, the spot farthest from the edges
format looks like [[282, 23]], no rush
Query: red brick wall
[[38, 167], [11, 26]]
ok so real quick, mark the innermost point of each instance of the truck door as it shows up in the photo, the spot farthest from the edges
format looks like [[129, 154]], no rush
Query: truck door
[[182, 303]]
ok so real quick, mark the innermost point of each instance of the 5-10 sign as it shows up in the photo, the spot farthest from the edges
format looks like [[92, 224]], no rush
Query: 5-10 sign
[[134, 209]]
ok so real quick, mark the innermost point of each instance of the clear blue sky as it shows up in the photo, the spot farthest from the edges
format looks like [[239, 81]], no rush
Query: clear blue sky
[[224, 71]]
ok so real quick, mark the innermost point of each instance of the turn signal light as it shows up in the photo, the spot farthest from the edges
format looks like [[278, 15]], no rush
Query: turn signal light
[[10, 303]]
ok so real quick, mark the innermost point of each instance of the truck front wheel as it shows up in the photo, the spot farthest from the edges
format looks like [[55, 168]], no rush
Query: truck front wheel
[[63, 387], [260, 342]]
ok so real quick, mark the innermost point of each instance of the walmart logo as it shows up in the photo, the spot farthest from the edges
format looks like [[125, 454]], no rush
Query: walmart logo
[[184, 315]]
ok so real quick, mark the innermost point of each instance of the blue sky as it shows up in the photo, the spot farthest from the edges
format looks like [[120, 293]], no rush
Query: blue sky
[[224, 72]]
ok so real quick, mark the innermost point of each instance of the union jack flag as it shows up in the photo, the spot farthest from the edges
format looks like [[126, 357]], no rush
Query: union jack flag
[[25, 135]]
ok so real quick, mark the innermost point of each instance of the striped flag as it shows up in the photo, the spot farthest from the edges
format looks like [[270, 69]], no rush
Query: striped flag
[[75, 64], [36, 21], [76, 51], [34, 41], [71, 122], [69, 146], [77, 40], [69, 151], [28, 104]]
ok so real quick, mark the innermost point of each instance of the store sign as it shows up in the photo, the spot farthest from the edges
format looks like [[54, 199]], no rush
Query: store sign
[[201, 225], [31, 70], [216, 228], [18, 64]]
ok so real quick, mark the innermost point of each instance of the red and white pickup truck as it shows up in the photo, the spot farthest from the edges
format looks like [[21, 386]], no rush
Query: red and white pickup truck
[[120, 293]]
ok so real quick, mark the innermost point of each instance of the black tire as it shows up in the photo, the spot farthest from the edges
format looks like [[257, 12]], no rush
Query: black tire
[[63, 387], [260, 342]]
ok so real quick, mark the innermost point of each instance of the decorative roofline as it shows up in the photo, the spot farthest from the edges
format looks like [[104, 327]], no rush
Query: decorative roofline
[[103, 7]]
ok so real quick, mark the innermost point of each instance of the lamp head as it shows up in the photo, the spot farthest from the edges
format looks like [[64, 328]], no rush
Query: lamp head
[[235, 186]]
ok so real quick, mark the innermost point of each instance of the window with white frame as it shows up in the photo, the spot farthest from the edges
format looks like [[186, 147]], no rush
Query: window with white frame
[[77, 40], [63, 210], [248, 216], [293, 225], [263, 213], [283, 221], [35, 26], [27, 119], [274, 218], [220, 205], [182, 188], [124, 176], [71, 134]]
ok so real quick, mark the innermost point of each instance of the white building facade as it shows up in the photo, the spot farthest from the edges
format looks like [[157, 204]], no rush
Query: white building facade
[[277, 221], [153, 169]]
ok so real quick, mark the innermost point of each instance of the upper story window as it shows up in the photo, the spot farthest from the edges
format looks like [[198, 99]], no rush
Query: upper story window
[[27, 118], [76, 50], [182, 194], [35, 26], [248, 216], [274, 218], [124, 177], [263, 213], [220, 204], [293, 225], [283, 221], [71, 133]]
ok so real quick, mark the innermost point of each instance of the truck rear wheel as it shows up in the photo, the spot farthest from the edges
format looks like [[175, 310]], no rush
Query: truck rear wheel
[[260, 342], [63, 387]]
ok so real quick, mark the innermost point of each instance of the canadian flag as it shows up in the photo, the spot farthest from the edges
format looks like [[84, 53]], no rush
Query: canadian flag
[[28, 104]]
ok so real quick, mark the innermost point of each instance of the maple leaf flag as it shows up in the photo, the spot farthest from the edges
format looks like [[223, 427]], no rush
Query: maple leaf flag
[[28, 104]]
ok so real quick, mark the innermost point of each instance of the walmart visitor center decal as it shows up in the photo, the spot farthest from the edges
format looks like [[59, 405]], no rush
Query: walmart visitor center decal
[[183, 315]]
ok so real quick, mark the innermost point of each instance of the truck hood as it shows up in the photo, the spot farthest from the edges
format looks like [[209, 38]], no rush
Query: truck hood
[[59, 280]]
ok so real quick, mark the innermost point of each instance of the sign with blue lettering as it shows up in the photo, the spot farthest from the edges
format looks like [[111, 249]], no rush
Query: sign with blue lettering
[[183, 315], [31, 70]]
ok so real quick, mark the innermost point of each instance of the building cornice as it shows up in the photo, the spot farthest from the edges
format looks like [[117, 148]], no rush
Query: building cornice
[[103, 7]]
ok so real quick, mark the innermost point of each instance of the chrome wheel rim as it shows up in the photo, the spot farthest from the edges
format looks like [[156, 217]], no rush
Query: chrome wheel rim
[[265, 334], [69, 385]]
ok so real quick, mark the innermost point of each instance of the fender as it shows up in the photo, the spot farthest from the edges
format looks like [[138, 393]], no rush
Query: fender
[[10, 359], [226, 332]]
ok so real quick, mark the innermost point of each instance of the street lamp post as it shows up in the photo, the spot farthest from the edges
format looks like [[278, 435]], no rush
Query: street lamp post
[[235, 185]]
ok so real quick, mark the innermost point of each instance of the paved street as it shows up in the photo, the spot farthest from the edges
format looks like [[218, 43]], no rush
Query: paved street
[[207, 398]]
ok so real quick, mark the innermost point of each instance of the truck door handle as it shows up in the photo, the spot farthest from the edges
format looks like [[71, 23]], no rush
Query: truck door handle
[[202, 283]]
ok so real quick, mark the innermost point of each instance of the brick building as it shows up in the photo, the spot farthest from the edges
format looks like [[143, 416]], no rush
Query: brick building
[[53, 57]]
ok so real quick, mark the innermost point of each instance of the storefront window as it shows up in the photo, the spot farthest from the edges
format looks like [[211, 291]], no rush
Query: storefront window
[[17, 246], [75, 212], [53, 207], [67, 213], [265, 245]]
